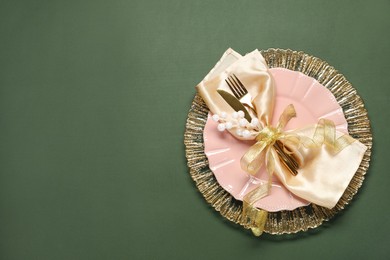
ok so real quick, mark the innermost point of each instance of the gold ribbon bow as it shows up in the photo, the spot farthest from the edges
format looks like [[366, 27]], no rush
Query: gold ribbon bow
[[322, 152], [263, 150]]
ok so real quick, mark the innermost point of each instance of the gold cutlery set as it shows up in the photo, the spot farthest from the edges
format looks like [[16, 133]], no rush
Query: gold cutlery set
[[242, 100]]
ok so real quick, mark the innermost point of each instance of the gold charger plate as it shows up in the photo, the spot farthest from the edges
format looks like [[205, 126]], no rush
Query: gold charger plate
[[302, 218]]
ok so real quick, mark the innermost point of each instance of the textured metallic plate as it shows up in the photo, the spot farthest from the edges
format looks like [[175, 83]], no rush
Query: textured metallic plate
[[302, 218]]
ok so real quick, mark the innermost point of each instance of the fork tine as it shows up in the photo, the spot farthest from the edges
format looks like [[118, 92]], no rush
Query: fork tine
[[232, 88], [242, 88], [236, 87]]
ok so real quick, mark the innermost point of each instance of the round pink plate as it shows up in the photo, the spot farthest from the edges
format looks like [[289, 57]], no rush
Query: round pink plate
[[311, 100]]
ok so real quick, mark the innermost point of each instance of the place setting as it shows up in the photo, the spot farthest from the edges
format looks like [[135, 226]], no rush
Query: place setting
[[277, 141]]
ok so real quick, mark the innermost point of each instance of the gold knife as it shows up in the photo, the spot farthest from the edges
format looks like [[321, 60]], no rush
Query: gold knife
[[234, 103]]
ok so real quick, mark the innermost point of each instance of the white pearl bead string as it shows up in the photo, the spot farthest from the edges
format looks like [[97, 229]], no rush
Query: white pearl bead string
[[237, 119]]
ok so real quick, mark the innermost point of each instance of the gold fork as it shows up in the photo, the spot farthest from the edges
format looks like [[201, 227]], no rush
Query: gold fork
[[241, 93]]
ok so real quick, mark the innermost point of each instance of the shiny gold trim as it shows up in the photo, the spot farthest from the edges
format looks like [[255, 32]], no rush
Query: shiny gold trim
[[302, 218]]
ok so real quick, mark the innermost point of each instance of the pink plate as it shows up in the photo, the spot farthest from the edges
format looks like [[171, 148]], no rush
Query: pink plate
[[311, 100]]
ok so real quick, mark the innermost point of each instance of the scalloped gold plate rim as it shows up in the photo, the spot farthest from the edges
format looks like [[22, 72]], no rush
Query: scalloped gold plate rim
[[302, 218]]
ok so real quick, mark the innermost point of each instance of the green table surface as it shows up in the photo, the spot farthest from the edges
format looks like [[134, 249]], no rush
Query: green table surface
[[94, 97]]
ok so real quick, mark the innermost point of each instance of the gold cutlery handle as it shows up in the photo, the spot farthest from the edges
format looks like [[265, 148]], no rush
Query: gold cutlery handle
[[288, 160]]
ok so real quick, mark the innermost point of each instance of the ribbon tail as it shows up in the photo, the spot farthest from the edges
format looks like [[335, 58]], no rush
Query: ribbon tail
[[256, 218], [252, 162], [253, 159], [286, 116], [325, 133]]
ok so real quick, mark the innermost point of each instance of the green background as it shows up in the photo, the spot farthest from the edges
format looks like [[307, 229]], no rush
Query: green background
[[94, 97]]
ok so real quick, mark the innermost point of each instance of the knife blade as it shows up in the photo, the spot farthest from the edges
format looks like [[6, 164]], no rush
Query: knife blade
[[234, 103]]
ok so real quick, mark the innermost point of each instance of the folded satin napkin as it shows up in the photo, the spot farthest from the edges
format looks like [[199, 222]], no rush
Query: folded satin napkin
[[328, 161]]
